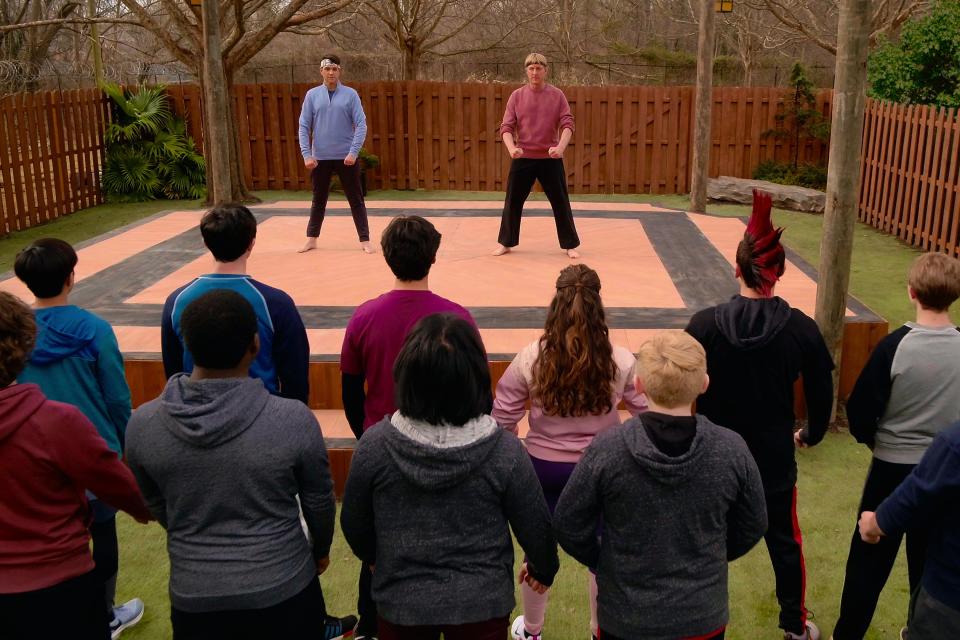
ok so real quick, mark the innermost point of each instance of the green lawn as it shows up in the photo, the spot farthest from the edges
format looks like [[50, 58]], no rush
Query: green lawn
[[831, 475]]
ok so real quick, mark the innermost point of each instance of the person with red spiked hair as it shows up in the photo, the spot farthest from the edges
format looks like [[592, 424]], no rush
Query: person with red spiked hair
[[757, 346]]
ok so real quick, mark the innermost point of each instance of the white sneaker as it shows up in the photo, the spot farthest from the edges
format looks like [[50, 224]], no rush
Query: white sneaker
[[812, 632], [518, 632], [124, 616]]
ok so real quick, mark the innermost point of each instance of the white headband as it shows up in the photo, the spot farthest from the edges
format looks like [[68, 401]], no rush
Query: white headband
[[327, 62]]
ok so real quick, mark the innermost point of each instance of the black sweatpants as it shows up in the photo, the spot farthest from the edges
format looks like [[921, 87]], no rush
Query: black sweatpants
[[72, 609], [785, 546], [350, 180], [869, 565], [106, 558], [302, 616], [366, 607], [523, 173]]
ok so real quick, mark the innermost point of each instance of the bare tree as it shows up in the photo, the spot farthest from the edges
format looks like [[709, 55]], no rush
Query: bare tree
[[28, 28], [702, 142], [836, 245], [816, 20], [418, 29], [245, 27]]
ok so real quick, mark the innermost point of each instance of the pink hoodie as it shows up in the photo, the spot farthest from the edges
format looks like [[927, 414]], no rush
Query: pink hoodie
[[556, 438]]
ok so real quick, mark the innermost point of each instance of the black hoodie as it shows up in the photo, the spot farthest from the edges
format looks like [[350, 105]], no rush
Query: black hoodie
[[756, 350], [436, 523]]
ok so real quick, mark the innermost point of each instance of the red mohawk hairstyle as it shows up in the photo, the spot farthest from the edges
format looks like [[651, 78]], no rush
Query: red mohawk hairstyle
[[760, 256]]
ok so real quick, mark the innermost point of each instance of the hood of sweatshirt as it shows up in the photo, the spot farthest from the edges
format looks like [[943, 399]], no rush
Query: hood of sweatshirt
[[437, 457], [751, 323], [62, 332], [207, 413], [665, 469], [18, 403]]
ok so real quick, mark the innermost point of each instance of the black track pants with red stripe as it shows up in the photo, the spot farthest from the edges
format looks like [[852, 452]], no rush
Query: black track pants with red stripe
[[785, 546]]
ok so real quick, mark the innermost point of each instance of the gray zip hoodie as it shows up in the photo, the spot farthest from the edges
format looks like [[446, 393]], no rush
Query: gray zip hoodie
[[432, 507], [220, 463], [670, 525]]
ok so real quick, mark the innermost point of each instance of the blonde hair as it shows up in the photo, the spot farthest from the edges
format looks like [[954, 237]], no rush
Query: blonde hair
[[535, 58], [672, 366], [935, 280]]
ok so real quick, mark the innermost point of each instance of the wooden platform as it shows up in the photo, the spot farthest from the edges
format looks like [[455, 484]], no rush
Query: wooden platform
[[657, 266]]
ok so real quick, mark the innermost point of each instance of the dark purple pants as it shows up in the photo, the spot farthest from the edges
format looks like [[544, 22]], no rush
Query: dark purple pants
[[350, 180]]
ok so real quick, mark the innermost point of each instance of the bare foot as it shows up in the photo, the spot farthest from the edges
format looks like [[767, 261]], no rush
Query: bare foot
[[500, 250], [309, 246], [573, 254], [365, 246]]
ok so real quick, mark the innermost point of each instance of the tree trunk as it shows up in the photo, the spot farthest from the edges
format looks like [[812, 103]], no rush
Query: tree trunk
[[95, 43], [240, 190], [703, 107], [411, 63], [216, 136], [836, 244]]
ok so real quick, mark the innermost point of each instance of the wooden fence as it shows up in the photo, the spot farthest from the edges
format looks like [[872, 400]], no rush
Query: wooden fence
[[436, 135], [910, 175], [51, 155]]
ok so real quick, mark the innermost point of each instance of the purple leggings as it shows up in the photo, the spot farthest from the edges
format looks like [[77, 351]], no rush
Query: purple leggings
[[553, 478]]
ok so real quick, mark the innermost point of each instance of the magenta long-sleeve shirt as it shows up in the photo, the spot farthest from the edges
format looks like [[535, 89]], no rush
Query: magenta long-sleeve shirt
[[536, 118], [556, 438]]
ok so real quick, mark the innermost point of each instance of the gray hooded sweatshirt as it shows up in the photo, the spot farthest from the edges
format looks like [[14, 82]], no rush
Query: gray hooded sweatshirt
[[670, 525], [432, 507], [220, 464]]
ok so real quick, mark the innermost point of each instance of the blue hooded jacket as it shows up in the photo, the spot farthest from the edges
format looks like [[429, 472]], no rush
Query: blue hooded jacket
[[77, 360]]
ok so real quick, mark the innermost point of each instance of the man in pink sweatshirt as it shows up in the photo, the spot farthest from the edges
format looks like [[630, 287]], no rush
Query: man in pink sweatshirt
[[536, 129]]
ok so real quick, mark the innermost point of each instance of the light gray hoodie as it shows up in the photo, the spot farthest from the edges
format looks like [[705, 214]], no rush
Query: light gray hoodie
[[220, 463]]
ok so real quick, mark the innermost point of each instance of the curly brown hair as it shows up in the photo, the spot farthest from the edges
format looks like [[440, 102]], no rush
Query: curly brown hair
[[575, 370], [18, 330]]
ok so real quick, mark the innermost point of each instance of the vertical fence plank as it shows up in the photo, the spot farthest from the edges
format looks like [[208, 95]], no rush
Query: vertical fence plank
[[918, 136], [924, 213], [9, 182], [951, 206], [939, 179]]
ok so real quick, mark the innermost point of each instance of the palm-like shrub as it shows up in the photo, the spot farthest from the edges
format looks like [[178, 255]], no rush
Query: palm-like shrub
[[149, 152]]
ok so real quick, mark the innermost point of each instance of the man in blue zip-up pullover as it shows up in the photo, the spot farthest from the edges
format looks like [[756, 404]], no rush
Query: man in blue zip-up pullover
[[77, 360], [332, 129], [229, 232]]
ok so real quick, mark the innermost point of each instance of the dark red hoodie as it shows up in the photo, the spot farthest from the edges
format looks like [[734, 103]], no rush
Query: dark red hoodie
[[49, 454]]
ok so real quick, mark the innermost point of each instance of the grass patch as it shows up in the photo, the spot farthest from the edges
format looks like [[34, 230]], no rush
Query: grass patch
[[85, 224], [831, 478], [831, 475]]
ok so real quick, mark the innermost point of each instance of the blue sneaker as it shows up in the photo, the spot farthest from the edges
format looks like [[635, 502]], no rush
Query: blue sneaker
[[124, 616], [339, 628]]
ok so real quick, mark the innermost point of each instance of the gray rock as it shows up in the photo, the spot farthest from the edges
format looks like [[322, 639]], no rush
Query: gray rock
[[727, 189]]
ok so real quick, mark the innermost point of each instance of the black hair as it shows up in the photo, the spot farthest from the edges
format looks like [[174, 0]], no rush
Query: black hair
[[332, 57], [45, 265], [441, 375], [228, 231], [218, 328], [409, 245]]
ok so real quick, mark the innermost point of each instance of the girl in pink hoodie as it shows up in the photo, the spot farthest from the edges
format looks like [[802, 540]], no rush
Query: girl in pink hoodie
[[574, 379]]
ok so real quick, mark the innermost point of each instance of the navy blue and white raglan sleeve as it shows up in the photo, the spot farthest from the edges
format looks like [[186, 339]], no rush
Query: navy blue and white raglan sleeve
[[171, 346], [291, 349], [871, 393]]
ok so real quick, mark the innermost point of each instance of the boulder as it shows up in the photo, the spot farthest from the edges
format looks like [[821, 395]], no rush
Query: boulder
[[727, 189]]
